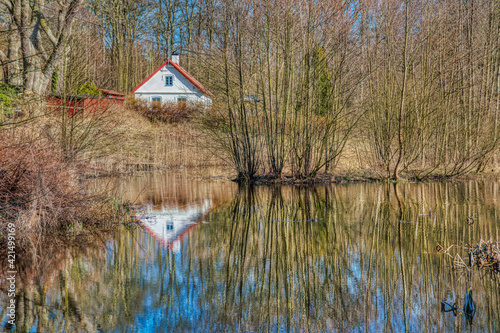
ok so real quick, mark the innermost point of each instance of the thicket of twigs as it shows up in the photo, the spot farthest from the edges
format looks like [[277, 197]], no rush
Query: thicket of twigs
[[486, 254], [41, 191], [412, 85], [169, 113]]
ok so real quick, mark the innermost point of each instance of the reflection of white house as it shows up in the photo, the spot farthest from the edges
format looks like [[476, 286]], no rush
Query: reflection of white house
[[171, 83], [170, 225]]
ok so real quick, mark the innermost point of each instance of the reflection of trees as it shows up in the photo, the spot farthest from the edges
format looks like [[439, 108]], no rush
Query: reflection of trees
[[284, 274], [362, 266], [82, 287]]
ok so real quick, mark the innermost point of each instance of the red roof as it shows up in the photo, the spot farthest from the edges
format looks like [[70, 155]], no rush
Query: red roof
[[181, 70], [111, 92]]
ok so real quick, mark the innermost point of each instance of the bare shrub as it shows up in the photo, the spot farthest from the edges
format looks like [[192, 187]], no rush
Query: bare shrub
[[169, 113], [94, 129], [40, 190]]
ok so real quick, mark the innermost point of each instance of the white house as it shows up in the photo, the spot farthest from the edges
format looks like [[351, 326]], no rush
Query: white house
[[171, 83], [170, 225]]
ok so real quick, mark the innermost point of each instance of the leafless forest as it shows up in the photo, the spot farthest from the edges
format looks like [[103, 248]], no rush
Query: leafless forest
[[412, 86]]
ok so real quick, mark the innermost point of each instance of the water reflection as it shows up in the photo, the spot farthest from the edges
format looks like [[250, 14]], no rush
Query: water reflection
[[335, 258], [170, 225]]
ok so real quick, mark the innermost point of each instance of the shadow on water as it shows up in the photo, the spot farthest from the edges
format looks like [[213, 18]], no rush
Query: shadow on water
[[334, 258]]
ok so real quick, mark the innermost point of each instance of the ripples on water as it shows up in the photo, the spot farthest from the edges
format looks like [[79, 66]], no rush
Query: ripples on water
[[213, 258]]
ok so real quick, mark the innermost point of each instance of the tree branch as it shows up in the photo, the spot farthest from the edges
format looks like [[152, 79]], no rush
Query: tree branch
[[63, 35], [47, 30], [7, 3], [3, 57]]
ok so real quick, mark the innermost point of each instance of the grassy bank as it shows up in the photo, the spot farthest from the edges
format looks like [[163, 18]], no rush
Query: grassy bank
[[143, 143], [45, 157]]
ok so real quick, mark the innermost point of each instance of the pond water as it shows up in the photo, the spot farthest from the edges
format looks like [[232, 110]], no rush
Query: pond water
[[210, 257]]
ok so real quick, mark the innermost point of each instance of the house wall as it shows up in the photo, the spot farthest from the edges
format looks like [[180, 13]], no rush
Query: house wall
[[119, 98], [116, 99], [119, 101], [181, 88], [71, 106], [100, 104], [172, 97]]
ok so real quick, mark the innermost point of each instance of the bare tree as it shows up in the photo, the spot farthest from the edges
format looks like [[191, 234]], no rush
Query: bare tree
[[39, 34]]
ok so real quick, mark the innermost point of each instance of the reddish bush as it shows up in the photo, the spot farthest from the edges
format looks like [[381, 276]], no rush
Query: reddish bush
[[168, 112], [32, 171], [39, 190]]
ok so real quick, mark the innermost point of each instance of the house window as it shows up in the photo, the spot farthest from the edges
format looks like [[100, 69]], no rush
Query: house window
[[170, 226], [169, 81], [156, 100], [181, 102]]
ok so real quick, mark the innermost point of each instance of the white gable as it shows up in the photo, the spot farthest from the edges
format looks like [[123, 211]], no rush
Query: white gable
[[168, 224], [156, 84], [181, 88]]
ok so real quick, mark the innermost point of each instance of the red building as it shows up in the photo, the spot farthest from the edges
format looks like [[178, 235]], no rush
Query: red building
[[86, 103]]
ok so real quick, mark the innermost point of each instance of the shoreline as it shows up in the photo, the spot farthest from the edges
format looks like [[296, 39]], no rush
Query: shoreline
[[341, 177], [356, 177]]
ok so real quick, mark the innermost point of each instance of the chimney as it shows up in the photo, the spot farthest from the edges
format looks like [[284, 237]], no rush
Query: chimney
[[175, 57]]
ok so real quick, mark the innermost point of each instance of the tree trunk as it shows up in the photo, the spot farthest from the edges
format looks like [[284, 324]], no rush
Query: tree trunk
[[40, 55]]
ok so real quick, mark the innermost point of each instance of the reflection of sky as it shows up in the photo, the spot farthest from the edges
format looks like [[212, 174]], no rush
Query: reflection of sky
[[159, 314], [168, 226]]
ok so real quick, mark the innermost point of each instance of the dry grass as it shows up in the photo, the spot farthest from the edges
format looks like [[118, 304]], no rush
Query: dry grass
[[142, 145]]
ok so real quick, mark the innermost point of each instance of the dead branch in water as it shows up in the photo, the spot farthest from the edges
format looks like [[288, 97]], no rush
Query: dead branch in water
[[485, 254]]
